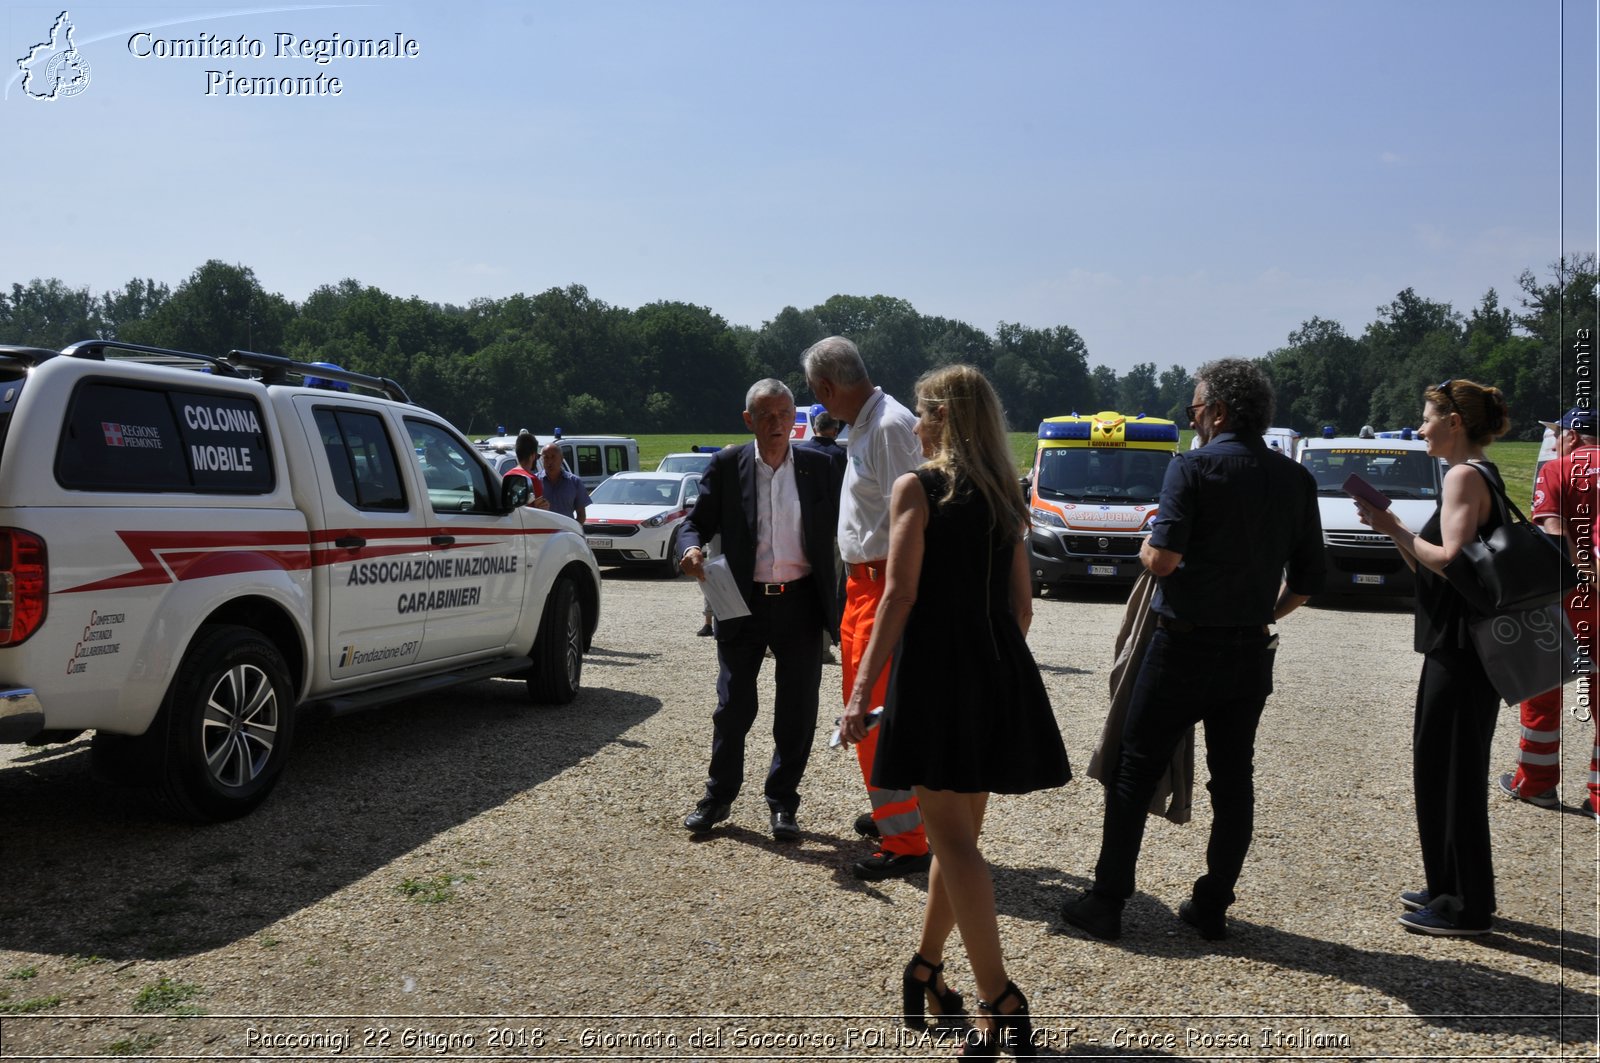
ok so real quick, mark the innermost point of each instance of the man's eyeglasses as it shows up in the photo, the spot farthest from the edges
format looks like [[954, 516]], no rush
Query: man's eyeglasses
[[1190, 410]]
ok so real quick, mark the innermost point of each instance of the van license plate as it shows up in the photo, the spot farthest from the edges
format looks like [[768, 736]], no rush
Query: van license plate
[[1370, 578], [1102, 570], [599, 544]]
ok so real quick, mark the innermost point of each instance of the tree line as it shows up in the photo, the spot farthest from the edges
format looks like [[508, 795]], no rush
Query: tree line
[[563, 357]]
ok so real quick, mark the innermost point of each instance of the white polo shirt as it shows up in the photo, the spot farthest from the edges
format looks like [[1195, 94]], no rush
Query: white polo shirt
[[882, 448]]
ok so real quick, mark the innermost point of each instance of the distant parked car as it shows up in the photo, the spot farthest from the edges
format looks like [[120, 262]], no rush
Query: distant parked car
[[695, 461], [634, 517]]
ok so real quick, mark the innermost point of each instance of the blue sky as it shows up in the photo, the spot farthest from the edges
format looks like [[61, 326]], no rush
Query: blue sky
[[1176, 181]]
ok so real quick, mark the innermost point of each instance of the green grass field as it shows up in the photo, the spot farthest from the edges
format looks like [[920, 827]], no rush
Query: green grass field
[[1515, 460]]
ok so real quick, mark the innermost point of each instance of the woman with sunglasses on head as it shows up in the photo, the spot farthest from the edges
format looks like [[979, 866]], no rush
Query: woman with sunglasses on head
[[1456, 703], [967, 712]]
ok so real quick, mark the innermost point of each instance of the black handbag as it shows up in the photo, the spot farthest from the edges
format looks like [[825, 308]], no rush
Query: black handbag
[[1526, 652], [1516, 566]]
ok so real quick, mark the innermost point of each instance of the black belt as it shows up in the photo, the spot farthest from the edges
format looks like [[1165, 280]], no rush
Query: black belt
[[770, 589], [1184, 627]]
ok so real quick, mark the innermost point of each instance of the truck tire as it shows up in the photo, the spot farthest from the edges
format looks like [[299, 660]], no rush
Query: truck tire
[[558, 650], [229, 720]]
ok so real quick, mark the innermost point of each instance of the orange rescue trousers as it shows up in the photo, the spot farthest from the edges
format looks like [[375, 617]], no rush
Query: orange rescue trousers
[[894, 811]]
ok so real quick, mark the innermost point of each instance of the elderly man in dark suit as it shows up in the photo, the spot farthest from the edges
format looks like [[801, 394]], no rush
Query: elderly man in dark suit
[[775, 507]]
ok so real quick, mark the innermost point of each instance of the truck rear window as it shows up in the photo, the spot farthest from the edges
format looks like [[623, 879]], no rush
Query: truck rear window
[[123, 438]]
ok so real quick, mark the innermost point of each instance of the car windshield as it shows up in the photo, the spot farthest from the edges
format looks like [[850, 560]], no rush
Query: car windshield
[[1089, 474], [685, 462], [1397, 473], [620, 491]]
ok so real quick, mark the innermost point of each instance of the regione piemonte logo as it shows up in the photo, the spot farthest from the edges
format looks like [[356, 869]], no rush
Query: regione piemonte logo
[[54, 69]]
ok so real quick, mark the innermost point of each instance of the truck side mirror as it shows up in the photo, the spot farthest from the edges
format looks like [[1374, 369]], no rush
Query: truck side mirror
[[515, 491], [1026, 483]]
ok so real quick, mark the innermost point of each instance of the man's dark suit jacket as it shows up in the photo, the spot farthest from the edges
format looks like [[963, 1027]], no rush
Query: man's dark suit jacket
[[727, 505]]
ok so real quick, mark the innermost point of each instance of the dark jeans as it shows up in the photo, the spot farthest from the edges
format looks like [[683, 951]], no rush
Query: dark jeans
[[790, 624], [1456, 711], [1218, 676]]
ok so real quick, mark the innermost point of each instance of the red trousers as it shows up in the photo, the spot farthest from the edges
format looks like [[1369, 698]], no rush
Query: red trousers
[[895, 812], [1539, 747]]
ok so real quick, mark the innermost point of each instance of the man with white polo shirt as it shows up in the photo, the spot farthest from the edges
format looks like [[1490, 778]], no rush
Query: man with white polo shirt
[[882, 448]]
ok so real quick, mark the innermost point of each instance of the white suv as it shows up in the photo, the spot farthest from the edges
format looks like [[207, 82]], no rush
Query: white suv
[[187, 557]]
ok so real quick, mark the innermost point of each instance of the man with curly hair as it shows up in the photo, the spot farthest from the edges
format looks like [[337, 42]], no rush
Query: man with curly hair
[[1233, 518]]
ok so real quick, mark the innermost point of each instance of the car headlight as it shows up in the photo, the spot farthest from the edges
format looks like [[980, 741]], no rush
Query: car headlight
[[1046, 519], [654, 522]]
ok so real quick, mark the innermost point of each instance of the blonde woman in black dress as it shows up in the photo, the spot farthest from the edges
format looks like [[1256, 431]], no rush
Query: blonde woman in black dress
[[966, 711]]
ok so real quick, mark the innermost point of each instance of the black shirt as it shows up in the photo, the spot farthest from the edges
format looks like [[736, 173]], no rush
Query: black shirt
[[1239, 514]]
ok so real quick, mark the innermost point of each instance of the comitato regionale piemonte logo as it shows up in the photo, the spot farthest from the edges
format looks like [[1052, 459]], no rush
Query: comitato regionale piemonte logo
[[54, 69]]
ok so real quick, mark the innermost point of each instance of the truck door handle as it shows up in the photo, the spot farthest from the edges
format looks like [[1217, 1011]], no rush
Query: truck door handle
[[350, 542], [442, 540]]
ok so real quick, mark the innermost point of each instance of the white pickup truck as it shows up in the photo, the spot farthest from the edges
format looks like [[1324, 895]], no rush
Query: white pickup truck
[[189, 557]]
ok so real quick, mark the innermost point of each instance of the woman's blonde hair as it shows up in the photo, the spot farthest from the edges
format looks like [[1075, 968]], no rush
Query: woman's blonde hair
[[1482, 409], [971, 448]]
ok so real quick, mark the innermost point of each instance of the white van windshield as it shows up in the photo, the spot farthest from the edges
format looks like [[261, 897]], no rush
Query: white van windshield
[[1082, 474], [1397, 473]]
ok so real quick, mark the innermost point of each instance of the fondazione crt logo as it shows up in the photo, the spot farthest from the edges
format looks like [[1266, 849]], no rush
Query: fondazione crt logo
[[54, 69]]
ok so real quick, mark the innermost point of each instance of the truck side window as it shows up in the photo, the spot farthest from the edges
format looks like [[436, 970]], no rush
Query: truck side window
[[118, 437], [361, 459], [616, 460], [457, 481]]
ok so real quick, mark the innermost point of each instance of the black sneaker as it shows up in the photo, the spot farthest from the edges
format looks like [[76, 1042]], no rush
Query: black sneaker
[[1589, 809], [1213, 925], [1428, 921], [1094, 915], [866, 826], [882, 865], [1414, 900], [1548, 799]]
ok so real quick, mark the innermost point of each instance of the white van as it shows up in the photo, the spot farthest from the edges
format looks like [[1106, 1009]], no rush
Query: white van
[[1361, 561], [592, 459]]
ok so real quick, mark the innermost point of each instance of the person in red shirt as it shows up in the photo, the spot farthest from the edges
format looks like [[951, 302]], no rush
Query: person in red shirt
[[527, 451], [1566, 494]]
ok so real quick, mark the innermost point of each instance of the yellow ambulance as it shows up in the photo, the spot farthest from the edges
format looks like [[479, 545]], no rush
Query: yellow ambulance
[[1092, 493]]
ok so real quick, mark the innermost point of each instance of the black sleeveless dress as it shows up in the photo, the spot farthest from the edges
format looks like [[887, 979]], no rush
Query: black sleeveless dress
[[966, 709], [1442, 614]]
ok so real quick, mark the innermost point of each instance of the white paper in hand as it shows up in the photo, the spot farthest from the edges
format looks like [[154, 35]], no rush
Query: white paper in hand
[[722, 591]]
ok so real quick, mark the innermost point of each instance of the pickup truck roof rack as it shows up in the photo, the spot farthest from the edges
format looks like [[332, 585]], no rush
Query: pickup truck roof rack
[[95, 350], [272, 368], [30, 355]]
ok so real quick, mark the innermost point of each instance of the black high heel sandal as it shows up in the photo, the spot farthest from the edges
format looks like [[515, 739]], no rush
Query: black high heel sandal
[[915, 991], [1012, 1030]]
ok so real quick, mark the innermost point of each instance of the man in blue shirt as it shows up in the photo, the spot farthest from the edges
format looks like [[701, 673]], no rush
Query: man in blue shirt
[[1234, 518], [565, 492]]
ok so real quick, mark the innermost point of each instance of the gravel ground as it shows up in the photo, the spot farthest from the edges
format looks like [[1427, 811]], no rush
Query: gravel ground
[[469, 876]]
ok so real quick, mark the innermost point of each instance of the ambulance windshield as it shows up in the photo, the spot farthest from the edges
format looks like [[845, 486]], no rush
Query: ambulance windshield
[[1095, 474]]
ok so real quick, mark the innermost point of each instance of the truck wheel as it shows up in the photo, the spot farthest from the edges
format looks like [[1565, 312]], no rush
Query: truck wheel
[[558, 651], [229, 724]]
